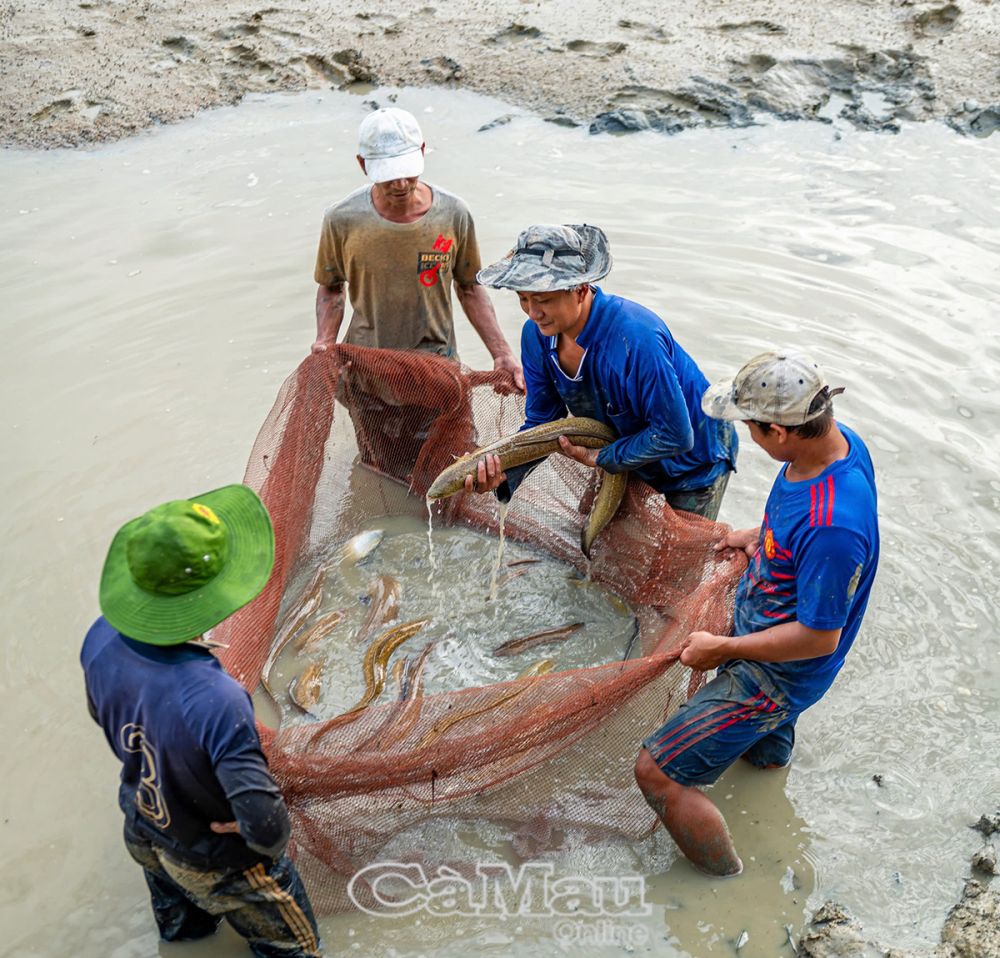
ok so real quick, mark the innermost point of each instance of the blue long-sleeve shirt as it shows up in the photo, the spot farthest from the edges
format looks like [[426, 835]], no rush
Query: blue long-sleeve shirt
[[184, 732], [635, 378]]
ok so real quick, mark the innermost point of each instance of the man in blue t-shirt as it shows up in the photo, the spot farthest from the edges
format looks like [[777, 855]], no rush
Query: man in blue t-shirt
[[203, 816], [588, 353], [798, 609]]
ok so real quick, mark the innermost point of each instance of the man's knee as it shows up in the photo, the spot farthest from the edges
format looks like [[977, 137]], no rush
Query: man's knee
[[650, 777]]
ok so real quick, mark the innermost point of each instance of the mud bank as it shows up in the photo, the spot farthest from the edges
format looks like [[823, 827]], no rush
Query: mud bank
[[92, 70], [971, 930]]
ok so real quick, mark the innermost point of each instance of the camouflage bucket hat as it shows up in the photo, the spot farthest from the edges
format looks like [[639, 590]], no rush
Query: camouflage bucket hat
[[548, 258]]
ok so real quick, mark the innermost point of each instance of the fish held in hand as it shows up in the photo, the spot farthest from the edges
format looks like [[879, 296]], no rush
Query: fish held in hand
[[515, 646], [609, 498], [523, 447]]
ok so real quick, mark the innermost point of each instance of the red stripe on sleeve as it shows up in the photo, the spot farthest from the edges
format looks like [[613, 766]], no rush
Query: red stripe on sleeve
[[829, 504], [812, 505]]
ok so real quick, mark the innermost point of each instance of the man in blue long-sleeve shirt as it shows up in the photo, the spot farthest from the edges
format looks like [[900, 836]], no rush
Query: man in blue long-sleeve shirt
[[203, 816], [587, 353]]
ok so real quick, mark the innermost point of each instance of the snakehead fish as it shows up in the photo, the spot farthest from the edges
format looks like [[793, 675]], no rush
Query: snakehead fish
[[606, 504], [406, 717], [312, 595], [384, 592], [530, 445], [399, 669], [537, 443], [542, 667], [515, 646], [291, 623], [304, 689], [302, 643], [359, 547], [612, 597], [375, 665], [307, 640]]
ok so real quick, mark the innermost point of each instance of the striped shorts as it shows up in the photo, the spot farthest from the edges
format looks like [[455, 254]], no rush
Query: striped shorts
[[738, 713]]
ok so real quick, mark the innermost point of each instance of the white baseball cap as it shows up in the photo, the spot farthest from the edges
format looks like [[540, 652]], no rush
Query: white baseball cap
[[391, 144], [772, 387]]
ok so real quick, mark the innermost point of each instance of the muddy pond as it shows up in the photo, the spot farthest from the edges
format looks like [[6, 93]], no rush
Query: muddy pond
[[158, 291]]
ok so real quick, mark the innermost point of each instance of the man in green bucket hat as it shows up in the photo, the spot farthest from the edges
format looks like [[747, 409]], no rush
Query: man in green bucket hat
[[203, 816]]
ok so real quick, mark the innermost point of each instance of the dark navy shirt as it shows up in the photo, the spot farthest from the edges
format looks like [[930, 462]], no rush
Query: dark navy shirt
[[635, 378], [184, 732], [815, 564]]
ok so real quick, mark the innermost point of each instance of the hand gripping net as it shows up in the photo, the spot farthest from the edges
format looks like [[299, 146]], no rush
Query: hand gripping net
[[560, 755]]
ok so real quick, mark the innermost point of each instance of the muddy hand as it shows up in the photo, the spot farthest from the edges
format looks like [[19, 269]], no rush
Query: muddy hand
[[738, 540], [508, 364], [489, 475], [704, 651], [580, 453], [225, 828]]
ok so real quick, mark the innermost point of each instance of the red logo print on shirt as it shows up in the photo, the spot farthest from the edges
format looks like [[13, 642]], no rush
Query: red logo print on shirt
[[429, 264]]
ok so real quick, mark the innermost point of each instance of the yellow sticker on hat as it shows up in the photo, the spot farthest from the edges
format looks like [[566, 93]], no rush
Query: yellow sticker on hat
[[207, 513]]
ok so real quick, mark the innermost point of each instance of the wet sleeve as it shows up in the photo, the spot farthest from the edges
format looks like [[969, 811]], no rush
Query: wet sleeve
[[542, 404], [831, 562], [242, 772], [467, 258], [655, 397], [329, 257]]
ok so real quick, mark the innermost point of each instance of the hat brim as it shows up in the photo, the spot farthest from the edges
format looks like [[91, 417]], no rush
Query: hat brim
[[526, 275], [384, 169], [172, 619], [717, 402]]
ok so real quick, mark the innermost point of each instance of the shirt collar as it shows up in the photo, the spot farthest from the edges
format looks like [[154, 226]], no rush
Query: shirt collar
[[592, 328]]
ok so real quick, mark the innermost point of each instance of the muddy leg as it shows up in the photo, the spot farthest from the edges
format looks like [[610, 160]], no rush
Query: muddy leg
[[691, 818]]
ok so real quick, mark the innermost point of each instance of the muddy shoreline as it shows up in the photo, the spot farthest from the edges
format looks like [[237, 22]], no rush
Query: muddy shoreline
[[971, 928], [74, 73]]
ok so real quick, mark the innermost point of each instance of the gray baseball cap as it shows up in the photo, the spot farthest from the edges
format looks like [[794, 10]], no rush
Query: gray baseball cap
[[391, 144], [776, 387], [548, 258]]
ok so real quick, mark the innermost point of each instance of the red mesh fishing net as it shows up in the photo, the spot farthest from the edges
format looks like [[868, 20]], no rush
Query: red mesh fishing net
[[537, 755]]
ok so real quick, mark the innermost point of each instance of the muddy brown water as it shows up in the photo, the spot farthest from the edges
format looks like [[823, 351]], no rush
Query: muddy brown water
[[156, 293]]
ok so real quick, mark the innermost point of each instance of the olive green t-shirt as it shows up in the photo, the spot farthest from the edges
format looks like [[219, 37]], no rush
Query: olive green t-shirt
[[399, 275]]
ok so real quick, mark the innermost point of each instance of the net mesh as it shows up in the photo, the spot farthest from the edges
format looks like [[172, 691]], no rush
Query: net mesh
[[537, 755]]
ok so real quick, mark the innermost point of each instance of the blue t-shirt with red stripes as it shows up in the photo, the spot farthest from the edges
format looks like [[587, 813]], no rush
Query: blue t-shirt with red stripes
[[815, 564]]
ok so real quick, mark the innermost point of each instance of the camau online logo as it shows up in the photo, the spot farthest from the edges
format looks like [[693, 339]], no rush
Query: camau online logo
[[396, 888]]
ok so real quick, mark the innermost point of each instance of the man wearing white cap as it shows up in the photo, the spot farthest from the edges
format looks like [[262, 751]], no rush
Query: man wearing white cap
[[399, 244], [798, 606]]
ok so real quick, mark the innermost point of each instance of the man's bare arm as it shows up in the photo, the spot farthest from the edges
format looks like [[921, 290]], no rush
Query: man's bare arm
[[477, 306], [787, 642], [330, 303]]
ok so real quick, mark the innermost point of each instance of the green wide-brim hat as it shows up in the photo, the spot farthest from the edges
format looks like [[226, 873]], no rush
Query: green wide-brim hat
[[230, 525]]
